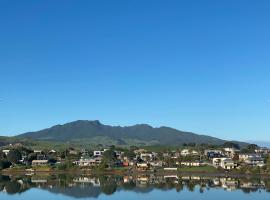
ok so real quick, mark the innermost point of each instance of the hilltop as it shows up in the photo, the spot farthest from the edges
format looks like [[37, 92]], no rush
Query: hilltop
[[85, 131]]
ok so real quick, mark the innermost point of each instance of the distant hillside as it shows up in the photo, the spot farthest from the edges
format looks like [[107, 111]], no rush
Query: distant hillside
[[95, 132]]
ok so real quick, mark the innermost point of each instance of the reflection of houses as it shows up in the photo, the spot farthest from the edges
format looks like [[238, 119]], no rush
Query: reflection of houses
[[142, 180], [252, 185], [38, 180], [229, 183], [225, 163], [39, 162], [93, 181]]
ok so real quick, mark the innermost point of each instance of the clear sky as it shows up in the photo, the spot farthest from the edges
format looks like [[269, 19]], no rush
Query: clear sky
[[201, 66]]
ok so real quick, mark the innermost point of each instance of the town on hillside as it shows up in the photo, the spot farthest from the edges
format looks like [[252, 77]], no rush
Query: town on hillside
[[228, 157]]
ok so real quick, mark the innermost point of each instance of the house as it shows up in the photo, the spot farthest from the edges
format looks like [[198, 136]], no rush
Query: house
[[99, 153], [156, 164], [194, 153], [139, 151], [143, 166], [83, 162], [73, 152], [147, 156], [262, 150], [125, 163], [52, 151], [207, 151], [190, 164], [212, 155], [175, 155], [6, 151], [255, 161], [39, 162], [245, 156], [185, 152], [225, 163], [37, 151], [231, 152]]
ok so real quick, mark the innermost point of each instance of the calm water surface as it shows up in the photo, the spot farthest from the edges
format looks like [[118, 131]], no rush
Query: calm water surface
[[148, 187]]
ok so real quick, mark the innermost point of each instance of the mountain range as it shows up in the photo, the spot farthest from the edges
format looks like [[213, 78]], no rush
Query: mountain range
[[85, 131]]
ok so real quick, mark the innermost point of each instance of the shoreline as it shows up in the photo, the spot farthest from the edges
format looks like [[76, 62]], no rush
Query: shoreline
[[127, 172]]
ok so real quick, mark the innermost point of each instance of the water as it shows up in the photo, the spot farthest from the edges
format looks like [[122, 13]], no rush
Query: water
[[67, 187]]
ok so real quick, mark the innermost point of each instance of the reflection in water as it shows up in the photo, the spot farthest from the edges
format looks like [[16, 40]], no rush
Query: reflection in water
[[90, 186]]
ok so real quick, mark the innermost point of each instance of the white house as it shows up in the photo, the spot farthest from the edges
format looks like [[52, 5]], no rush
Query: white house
[[190, 163], [147, 156], [255, 161], [225, 163], [185, 152], [245, 156], [6, 151]]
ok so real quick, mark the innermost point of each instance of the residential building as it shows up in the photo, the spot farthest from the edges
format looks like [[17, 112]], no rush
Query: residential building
[[225, 163]]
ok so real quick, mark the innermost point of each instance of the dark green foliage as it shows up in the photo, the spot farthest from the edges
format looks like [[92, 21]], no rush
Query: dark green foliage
[[250, 148], [108, 185], [109, 158], [13, 187], [31, 157], [2, 155], [144, 134], [4, 164], [62, 166], [129, 154], [231, 145], [14, 156]]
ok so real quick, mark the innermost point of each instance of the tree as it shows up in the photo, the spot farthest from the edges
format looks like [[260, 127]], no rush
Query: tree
[[109, 158], [14, 156], [4, 164], [108, 185], [231, 145], [2, 155], [129, 154], [250, 148], [31, 157], [13, 187]]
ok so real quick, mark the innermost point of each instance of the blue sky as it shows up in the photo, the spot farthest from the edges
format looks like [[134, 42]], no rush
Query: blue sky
[[200, 66]]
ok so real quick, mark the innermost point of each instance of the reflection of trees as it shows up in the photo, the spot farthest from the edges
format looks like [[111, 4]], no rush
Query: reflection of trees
[[13, 187], [66, 185], [179, 187], [191, 186], [129, 186], [267, 185], [107, 184]]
